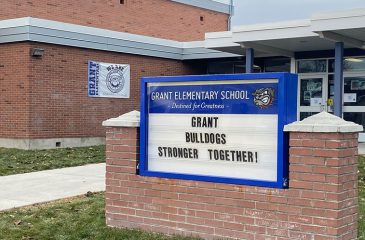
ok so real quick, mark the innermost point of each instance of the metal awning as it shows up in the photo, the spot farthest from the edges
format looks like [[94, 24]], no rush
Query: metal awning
[[347, 27], [285, 38]]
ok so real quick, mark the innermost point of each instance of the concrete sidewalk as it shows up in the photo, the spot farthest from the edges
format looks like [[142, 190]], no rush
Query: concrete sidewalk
[[37, 187]]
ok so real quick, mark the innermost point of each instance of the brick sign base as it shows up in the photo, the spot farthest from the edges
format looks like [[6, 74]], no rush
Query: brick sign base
[[321, 202]]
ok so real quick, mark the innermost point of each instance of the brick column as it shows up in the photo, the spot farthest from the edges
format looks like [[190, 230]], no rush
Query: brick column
[[323, 165], [122, 154], [320, 203]]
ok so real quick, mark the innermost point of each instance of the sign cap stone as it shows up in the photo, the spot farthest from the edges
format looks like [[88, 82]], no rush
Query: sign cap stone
[[130, 119], [323, 122]]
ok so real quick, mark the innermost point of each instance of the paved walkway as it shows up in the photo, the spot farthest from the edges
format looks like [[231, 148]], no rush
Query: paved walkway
[[37, 187]]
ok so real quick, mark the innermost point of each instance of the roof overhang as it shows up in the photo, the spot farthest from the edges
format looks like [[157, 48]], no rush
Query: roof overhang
[[347, 27], [222, 41], [287, 38]]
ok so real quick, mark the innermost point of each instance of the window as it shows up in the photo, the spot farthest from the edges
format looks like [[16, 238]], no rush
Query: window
[[277, 65], [350, 64], [312, 66], [310, 88], [220, 68], [356, 117], [354, 91]]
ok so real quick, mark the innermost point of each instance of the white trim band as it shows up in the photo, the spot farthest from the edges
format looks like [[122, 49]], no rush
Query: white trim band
[[53, 32], [207, 4]]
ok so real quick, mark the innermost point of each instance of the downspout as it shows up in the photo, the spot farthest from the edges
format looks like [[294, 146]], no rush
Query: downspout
[[230, 15]]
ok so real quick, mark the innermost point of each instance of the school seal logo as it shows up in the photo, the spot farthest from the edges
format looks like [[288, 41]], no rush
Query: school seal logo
[[263, 97], [115, 79]]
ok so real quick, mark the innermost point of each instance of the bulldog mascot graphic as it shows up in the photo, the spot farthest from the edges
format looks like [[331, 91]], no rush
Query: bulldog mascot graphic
[[264, 97]]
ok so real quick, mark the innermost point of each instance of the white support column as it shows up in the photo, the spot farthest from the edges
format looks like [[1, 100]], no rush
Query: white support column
[[293, 67]]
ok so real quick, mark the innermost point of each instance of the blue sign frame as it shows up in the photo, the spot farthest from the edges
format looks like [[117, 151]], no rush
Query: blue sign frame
[[287, 113]]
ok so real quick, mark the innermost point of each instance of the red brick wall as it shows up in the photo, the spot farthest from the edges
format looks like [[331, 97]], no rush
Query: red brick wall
[[59, 104], [158, 18], [14, 90], [321, 203]]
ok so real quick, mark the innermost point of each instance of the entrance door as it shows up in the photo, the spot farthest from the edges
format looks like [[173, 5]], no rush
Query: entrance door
[[313, 95]]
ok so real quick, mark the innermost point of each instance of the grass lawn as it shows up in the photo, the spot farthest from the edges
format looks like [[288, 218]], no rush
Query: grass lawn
[[77, 218], [83, 218], [14, 161]]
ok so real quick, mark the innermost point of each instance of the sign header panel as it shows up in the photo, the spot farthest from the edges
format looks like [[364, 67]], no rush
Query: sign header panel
[[220, 98], [223, 130]]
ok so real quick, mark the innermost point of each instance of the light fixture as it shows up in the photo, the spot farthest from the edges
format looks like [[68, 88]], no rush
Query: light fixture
[[354, 60], [36, 52]]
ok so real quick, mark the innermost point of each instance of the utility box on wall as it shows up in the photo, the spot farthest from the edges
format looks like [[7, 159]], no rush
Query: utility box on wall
[[218, 128]]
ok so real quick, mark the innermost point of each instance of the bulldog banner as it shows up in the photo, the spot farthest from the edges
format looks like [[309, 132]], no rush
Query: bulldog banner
[[108, 80]]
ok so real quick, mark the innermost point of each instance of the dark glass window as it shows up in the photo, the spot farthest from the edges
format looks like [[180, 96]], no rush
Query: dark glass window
[[312, 66], [356, 117], [277, 65], [331, 65], [331, 86], [261, 65], [310, 88], [304, 115], [239, 68], [230, 67], [220, 68], [354, 91], [349, 64]]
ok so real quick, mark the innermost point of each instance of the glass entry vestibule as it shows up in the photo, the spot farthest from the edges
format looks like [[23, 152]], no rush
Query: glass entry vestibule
[[316, 89]]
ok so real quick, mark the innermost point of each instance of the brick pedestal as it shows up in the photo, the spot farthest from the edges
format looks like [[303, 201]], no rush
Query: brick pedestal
[[320, 203]]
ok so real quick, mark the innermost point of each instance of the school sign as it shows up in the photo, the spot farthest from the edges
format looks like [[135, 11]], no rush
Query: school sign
[[218, 128]]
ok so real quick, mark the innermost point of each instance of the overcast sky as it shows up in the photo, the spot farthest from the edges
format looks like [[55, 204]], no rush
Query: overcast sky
[[263, 11]]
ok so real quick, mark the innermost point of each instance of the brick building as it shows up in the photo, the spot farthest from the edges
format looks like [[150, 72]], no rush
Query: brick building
[[44, 101]]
